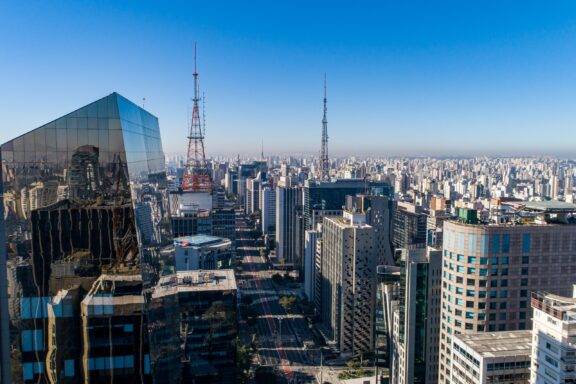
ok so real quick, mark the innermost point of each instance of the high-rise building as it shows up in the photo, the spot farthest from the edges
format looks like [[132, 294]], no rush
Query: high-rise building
[[268, 209], [252, 195], [492, 357], [349, 282], [553, 339], [378, 210], [202, 252], [288, 202], [417, 318], [409, 226], [208, 323], [64, 250], [489, 271], [310, 247], [331, 195]]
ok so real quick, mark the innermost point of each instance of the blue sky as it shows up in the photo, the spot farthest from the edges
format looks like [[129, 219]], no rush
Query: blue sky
[[404, 77]]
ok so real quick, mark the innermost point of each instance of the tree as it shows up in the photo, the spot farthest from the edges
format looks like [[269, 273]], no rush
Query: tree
[[287, 302], [243, 360]]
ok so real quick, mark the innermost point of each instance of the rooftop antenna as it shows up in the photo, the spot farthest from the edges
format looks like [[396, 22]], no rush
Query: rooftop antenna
[[324, 162], [262, 151], [196, 177], [143, 102]]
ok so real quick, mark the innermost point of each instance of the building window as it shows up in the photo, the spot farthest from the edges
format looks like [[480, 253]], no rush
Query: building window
[[525, 260], [483, 260], [471, 259], [495, 244], [69, 368], [506, 243], [32, 340], [526, 240]]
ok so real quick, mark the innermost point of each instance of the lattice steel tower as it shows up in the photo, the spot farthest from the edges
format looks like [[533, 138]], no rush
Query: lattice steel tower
[[324, 162], [196, 177]]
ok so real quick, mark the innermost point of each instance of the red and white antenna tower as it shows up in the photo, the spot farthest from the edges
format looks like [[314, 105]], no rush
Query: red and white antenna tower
[[196, 177]]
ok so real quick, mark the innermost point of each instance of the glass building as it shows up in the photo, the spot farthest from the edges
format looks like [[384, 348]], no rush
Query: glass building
[[88, 237]]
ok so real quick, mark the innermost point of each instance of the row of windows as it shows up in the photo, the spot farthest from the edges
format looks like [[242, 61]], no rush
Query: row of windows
[[110, 362], [497, 243], [468, 356]]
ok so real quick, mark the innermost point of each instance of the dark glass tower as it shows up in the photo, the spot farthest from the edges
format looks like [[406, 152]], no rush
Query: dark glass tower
[[87, 234]]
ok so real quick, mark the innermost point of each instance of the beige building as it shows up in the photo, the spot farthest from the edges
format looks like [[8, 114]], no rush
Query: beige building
[[489, 271], [553, 339], [492, 357], [349, 282]]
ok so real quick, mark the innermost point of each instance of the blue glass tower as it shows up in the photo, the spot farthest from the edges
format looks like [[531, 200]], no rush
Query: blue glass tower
[[85, 220]]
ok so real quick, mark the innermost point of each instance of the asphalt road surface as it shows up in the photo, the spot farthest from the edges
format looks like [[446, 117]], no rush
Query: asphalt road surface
[[280, 335]]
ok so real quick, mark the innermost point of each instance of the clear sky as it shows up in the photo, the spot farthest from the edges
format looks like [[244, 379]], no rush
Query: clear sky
[[404, 77]]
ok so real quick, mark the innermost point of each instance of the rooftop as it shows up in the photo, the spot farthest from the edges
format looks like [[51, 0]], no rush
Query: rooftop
[[207, 280], [498, 344], [199, 240], [550, 206]]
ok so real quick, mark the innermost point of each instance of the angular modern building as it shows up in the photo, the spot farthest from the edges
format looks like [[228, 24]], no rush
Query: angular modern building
[[84, 217]]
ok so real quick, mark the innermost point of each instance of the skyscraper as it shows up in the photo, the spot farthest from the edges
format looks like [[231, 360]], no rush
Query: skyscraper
[[553, 338], [81, 263], [288, 201], [349, 282], [416, 320], [489, 271]]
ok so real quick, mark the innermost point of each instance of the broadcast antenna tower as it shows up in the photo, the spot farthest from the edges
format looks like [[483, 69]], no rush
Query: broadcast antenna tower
[[324, 162], [196, 177]]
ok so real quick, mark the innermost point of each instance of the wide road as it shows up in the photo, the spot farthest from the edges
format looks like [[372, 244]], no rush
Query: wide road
[[280, 335]]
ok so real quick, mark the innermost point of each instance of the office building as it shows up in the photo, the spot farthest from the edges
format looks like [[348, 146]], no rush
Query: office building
[[224, 223], [268, 209], [202, 252], [252, 196], [288, 203], [348, 283], [409, 226], [492, 357], [75, 193], [489, 270], [416, 321], [553, 339], [331, 195], [378, 210], [310, 248], [208, 323], [387, 293]]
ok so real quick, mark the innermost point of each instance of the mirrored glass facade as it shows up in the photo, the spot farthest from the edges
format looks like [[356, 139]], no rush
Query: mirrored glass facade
[[87, 234]]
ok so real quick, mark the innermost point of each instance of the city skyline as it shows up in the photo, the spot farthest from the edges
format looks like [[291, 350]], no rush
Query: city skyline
[[402, 79]]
